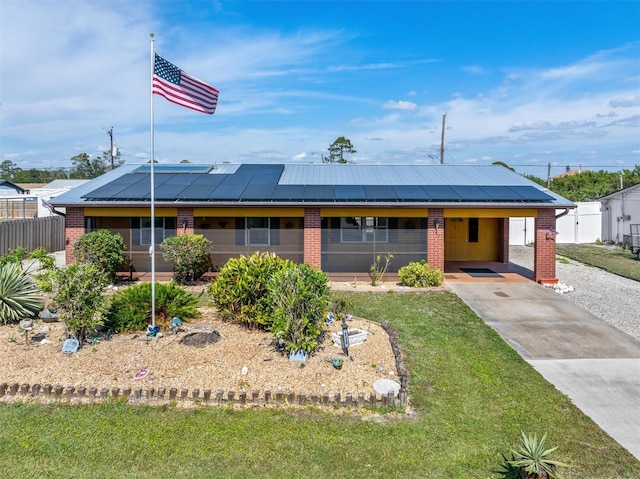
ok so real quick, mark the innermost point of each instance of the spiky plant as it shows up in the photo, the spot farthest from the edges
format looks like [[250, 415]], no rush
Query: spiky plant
[[19, 295], [532, 458]]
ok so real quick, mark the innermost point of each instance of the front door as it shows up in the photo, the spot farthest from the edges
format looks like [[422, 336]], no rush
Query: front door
[[456, 239]]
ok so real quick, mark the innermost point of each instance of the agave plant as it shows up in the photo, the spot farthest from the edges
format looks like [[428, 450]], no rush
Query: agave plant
[[19, 295], [532, 459]]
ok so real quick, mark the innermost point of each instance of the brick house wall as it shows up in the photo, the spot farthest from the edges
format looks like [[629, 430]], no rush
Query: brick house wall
[[74, 228], [544, 257], [435, 238], [185, 225], [312, 238]]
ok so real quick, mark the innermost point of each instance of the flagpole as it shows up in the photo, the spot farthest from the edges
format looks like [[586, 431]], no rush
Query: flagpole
[[152, 249]]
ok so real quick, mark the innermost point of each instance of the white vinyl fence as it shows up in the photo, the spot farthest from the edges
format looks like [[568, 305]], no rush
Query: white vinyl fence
[[580, 225]]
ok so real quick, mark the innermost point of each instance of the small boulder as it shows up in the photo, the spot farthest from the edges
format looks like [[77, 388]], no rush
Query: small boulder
[[200, 338]]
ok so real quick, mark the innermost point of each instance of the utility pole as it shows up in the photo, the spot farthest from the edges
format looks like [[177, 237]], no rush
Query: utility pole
[[442, 141], [110, 133], [549, 175]]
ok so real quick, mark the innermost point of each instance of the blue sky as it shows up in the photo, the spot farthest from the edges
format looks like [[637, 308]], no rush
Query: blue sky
[[526, 83]]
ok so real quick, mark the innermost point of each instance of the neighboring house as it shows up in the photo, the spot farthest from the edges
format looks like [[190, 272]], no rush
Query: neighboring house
[[7, 188], [51, 190], [620, 210], [14, 201], [32, 200], [330, 216]]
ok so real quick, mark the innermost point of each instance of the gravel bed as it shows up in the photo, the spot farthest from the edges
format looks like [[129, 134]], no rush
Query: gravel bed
[[612, 298]]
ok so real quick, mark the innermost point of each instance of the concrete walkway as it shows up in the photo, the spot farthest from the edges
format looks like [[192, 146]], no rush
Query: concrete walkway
[[594, 364]]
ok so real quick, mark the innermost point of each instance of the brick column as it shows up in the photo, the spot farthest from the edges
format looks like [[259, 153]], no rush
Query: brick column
[[73, 229], [435, 238], [185, 217], [312, 238], [544, 257], [503, 231]]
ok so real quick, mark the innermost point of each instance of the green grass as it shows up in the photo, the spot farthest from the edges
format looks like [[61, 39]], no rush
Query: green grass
[[471, 396], [615, 260]]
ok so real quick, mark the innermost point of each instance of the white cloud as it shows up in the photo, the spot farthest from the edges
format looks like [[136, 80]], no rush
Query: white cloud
[[400, 105]]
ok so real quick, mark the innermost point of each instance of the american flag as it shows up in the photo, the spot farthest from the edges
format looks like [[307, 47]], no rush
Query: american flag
[[182, 89], [46, 204]]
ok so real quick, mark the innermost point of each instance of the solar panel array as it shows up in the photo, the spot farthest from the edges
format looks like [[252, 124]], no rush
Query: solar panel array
[[259, 183]]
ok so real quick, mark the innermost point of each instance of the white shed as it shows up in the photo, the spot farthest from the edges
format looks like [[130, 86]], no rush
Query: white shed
[[620, 210]]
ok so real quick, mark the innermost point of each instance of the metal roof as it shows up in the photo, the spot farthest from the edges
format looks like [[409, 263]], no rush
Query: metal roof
[[313, 184]]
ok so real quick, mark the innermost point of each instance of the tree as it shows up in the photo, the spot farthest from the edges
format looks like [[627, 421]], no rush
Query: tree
[[338, 149], [85, 167], [79, 297], [589, 185], [8, 169]]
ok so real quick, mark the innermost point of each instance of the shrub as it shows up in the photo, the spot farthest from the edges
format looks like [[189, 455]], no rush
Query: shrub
[[299, 298], [189, 255], [38, 262], [379, 268], [240, 292], [79, 297], [19, 295], [532, 460], [103, 248], [420, 275], [130, 308]]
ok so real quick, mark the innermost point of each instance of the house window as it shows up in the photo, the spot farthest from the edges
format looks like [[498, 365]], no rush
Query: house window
[[474, 230], [365, 229], [257, 232], [90, 224], [141, 230]]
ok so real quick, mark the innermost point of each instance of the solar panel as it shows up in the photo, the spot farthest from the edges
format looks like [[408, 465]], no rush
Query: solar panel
[[196, 192], [209, 180], [410, 193], [319, 193], [471, 192], [288, 192], [380, 193], [227, 192], [531, 193], [349, 192], [501, 193], [174, 186], [441, 193], [258, 192], [111, 189]]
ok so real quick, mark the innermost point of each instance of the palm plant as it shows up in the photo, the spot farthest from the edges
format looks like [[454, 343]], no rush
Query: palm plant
[[19, 295], [532, 459]]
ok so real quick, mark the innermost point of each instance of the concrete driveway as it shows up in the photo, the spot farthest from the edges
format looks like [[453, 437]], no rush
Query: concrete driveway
[[594, 364]]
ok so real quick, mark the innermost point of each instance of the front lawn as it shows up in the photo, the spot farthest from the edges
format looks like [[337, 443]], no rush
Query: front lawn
[[471, 396], [613, 259]]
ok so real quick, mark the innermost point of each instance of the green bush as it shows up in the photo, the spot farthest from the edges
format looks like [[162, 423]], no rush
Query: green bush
[[39, 263], [130, 308], [300, 296], [241, 290], [103, 248], [19, 295], [79, 297], [189, 255], [420, 275]]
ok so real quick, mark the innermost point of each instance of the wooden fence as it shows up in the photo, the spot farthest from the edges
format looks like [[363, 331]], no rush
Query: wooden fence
[[32, 233]]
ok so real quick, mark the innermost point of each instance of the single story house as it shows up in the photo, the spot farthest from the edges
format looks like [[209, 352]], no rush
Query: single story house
[[334, 217], [620, 210]]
